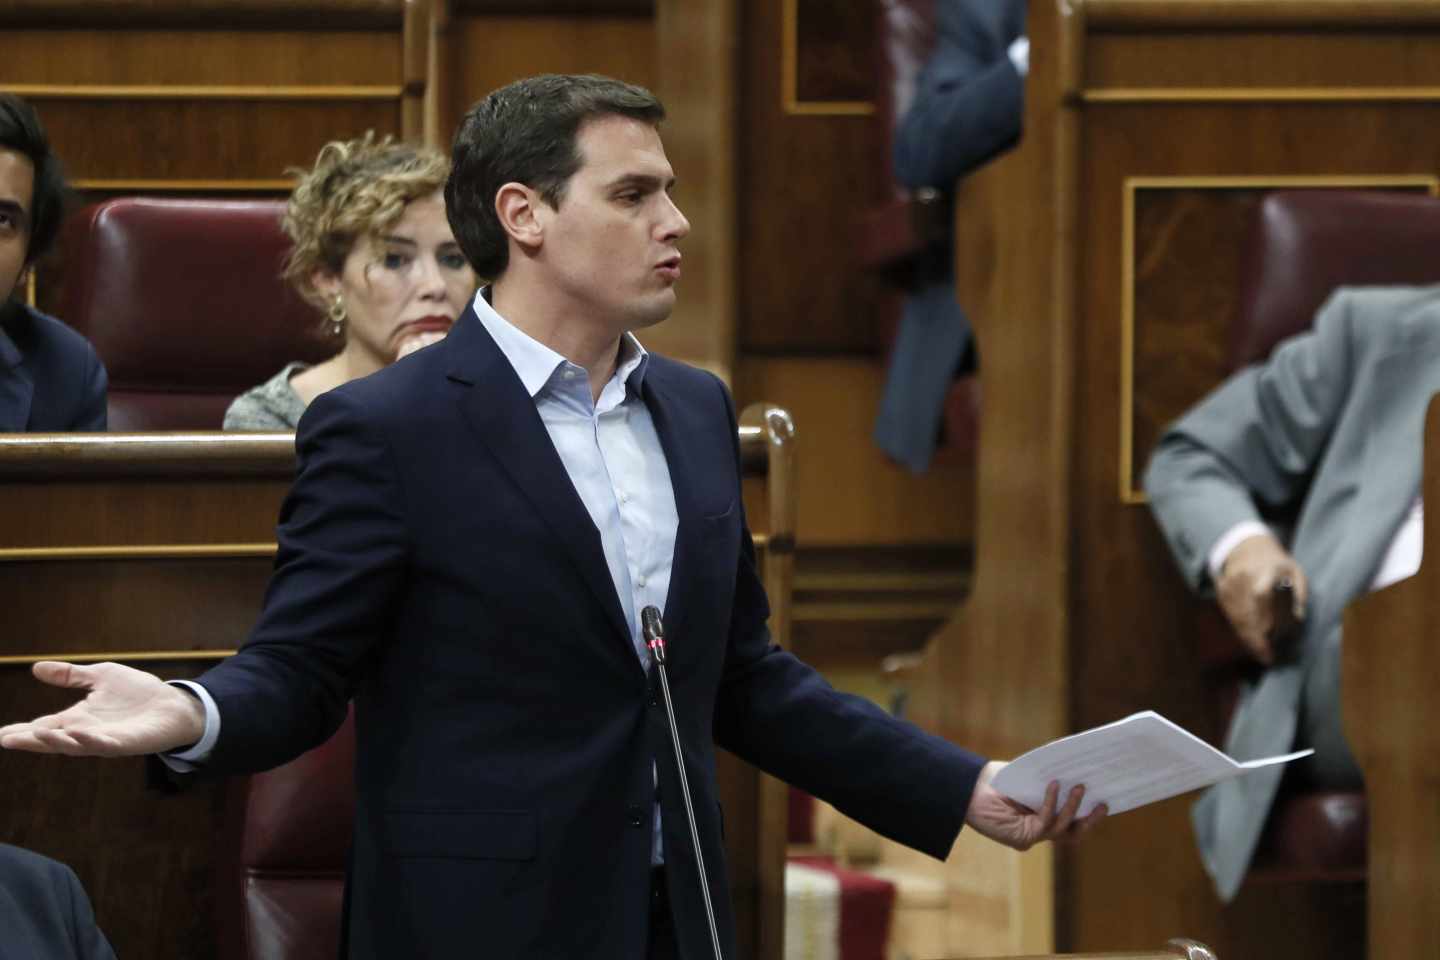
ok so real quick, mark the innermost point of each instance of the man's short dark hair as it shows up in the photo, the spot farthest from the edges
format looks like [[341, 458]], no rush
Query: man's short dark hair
[[20, 130], [526, 133]]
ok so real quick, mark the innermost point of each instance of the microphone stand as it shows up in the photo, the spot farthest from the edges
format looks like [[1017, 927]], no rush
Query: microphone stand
[[655, 642]]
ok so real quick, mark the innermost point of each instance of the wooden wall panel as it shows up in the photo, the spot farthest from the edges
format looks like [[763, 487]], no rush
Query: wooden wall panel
[[833, 61], [1276, 58], [487, 52], [186, 101], [217, 14], [164, 140], [803, 180], [184, 57], [596, 8], [696, 81], [849, 493]]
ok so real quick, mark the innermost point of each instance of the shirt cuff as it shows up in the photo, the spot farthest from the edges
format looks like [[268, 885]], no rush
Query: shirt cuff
[[183, 761], [1019, 54], [1231, 539]]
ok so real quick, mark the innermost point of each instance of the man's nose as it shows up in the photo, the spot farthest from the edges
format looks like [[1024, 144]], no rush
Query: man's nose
[[675, 225]]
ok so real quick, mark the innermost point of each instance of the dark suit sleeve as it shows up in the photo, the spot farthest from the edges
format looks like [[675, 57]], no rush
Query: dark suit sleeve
[[343, 551], [92, 414], [967, 109], [779, 714], [89, 942], [44, 911]]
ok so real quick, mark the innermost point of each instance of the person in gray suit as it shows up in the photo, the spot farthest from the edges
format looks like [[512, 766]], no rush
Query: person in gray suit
[[967, 108], [1332, 423]]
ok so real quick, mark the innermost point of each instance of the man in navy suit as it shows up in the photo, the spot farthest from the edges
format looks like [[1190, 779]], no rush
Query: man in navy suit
[[44, 913], [465, 553], [50, 377]]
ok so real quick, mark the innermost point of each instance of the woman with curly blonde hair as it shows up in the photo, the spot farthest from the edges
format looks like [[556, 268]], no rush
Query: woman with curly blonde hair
[[374, 252]]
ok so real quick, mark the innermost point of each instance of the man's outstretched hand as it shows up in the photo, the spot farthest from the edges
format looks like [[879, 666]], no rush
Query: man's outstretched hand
[[125, 712], [996, 816]]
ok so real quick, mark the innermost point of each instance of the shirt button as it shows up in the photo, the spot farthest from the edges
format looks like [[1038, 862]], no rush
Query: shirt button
[[634, 816], [642, 581]]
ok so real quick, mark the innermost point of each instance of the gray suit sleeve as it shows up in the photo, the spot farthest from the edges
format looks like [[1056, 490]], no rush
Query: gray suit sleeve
[[1254, 440]]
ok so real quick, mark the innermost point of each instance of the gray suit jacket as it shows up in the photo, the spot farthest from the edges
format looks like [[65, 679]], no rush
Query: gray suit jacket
[[1336, 417]]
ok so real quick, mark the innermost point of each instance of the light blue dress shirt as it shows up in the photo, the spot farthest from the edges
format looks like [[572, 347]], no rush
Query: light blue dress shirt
[[615, 461]]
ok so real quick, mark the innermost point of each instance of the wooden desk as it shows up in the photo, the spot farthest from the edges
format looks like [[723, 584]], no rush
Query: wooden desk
[[1390, 671], [154, 550]]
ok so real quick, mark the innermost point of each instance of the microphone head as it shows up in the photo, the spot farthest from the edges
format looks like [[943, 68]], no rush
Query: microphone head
[[650, 624]]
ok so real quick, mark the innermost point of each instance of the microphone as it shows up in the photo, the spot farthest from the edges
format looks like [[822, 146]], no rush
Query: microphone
[[654, 634]]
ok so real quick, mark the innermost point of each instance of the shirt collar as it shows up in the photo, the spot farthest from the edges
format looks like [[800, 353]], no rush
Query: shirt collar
[[536, 364]]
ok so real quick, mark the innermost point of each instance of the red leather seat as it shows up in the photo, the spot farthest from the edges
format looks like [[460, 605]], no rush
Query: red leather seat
[[184, 303], [1303, 244], [282, 880]]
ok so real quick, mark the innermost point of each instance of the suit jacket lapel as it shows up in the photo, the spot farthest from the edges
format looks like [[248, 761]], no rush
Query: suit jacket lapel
[[1388, 476], [17, 387], [671, 427], [503, 414]]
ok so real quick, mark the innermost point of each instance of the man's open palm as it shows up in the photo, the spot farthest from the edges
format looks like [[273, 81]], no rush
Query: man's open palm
[[125, 712]]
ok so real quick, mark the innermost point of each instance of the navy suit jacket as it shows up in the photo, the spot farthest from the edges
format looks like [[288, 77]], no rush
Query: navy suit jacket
[[968, 107], [50, 378], [44, 913], [436, 564]]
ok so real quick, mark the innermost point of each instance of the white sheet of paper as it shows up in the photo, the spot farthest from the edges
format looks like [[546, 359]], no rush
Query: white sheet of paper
[[1141, 759]]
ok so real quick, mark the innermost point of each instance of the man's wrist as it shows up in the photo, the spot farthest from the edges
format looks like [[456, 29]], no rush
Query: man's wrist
[[1229, 540], [208, 715]]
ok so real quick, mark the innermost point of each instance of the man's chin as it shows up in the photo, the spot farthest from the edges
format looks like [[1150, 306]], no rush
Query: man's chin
[[653, 311]]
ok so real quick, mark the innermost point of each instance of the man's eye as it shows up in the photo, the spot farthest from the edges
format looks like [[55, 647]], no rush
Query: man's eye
[[631, 197]]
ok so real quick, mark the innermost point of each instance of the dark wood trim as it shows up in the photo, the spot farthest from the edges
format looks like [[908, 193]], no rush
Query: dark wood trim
[[337, 15]]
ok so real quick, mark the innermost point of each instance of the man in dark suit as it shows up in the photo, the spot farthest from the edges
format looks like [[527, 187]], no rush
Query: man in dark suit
[[44, 913], [467, 549], [50, 377], [968, 103]]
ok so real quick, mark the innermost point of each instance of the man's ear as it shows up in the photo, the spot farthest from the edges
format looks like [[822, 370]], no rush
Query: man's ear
[[521, 215]]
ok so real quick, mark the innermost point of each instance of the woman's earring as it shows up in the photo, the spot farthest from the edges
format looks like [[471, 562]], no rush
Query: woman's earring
[[337, 316]]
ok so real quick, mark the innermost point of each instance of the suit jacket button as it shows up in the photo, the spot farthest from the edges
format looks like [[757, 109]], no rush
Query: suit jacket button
[[635, 816]]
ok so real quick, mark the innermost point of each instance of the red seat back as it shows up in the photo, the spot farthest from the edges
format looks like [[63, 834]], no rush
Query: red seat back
[[184, 303], [282, 882]]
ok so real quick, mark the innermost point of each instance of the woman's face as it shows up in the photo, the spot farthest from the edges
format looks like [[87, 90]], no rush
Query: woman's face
[[403, 290]]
